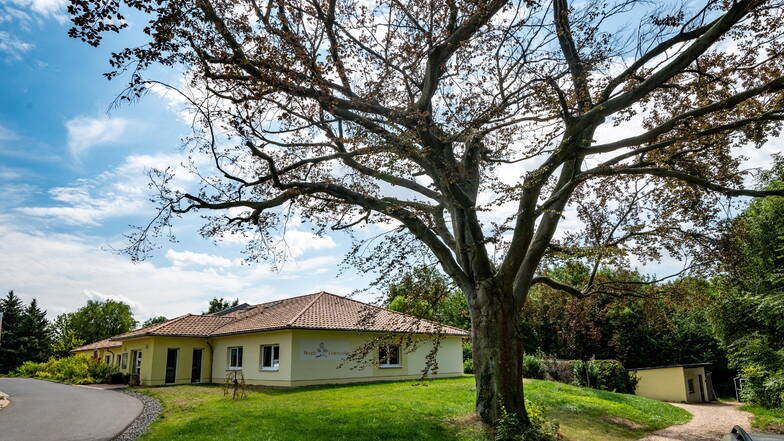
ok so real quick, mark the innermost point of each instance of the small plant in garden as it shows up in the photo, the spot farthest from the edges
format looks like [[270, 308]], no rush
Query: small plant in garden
[[508, 428], [532, 367]]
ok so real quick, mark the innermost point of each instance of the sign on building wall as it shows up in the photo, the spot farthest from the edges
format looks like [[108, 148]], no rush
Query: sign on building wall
[[324, 349]]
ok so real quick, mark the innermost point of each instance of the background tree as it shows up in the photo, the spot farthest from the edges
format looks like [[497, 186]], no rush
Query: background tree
[[64, 336], [35, 334], [154, 320], [425, 293], [218, 305], [413, 114], [101, 319], [11, 354], [747, 312]]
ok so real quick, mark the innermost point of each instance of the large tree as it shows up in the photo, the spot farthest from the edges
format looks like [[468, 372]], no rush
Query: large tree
[[218, 305], [64, 336], [11, 354], [468, 127], [35, 337], [100, 319]]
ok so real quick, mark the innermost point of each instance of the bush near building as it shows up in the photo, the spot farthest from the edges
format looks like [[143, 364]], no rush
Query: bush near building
[[609, 375], [76, 369]]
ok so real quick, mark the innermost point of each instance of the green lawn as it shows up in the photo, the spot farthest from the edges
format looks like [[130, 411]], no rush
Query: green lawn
[[436, 410], [766, 420]]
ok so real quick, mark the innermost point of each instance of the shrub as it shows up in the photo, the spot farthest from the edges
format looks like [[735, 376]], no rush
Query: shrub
[[762, 387], [28, 369], [507, 428], [532, 367], [76, 369], [468, 366], [607, 375], [611, 375], [555, 370]]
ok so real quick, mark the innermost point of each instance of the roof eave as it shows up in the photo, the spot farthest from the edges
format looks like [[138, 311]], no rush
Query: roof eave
[[312, 328]]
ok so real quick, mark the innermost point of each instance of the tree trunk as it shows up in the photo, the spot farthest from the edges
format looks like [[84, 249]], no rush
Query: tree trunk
[[498, 356]]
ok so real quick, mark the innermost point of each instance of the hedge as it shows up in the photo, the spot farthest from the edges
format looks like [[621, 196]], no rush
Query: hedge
[[76, 369]]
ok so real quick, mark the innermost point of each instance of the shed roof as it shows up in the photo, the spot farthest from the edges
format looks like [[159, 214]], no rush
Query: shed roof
[[321, 310], [684, 365]]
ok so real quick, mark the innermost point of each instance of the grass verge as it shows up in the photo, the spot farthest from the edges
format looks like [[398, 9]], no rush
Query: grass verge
[[766, 420], [438, 410]]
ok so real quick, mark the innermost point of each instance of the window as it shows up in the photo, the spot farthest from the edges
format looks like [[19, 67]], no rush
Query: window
[[137, 366], [389, 356], [125, 360], [691, 385], [270, 357], [235, 358], [108, 359]]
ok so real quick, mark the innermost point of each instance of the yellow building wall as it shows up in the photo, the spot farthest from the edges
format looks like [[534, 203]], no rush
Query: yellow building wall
[[184, 347], [145, 346], [666, 384], [102, 353], [310, 370], [298, 366], [251, 357], [694, 375]]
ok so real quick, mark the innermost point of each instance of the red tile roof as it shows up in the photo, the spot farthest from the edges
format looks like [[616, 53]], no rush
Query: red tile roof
[[101, 344], [313, 311]]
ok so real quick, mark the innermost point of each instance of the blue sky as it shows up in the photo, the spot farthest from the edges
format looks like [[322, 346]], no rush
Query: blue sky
[[72, 178]]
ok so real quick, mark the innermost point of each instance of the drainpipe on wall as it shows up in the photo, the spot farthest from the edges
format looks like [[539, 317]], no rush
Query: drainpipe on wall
[[211, 353]]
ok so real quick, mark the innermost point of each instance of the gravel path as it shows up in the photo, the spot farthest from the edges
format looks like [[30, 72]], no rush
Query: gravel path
[[710, 422], [150, 412]]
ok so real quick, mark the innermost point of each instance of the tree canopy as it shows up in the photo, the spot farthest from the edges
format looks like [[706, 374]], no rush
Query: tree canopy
[[467, 128], [154, 320], [218, 305], [100, 319], [13, 316]]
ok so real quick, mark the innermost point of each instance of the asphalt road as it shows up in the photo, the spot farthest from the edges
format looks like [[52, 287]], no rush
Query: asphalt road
[[46, 411]]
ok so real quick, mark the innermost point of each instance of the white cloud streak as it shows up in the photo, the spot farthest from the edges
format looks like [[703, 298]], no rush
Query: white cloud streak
[[12, 46], [85, 132], [63, 271]]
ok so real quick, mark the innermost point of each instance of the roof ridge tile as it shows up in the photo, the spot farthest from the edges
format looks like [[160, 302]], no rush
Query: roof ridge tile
[[308, 306]]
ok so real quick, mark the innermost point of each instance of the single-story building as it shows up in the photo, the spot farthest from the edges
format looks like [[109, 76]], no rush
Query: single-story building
[[687, 383], [105, 350], [298, 341]]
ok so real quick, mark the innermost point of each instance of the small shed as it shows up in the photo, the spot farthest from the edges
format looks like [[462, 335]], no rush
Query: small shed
[[687, 383]]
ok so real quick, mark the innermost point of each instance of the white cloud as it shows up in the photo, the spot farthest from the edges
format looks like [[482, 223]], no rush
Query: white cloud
[[8, 173], [13, 46], [47, 8], [85, 132], [63, 271], [116, 193], [86, 204], [189, 258], [298, 242]]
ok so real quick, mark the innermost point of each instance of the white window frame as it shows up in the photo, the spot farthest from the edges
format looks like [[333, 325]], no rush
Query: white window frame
[[385, 363], [275, 366], [229, 366]]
